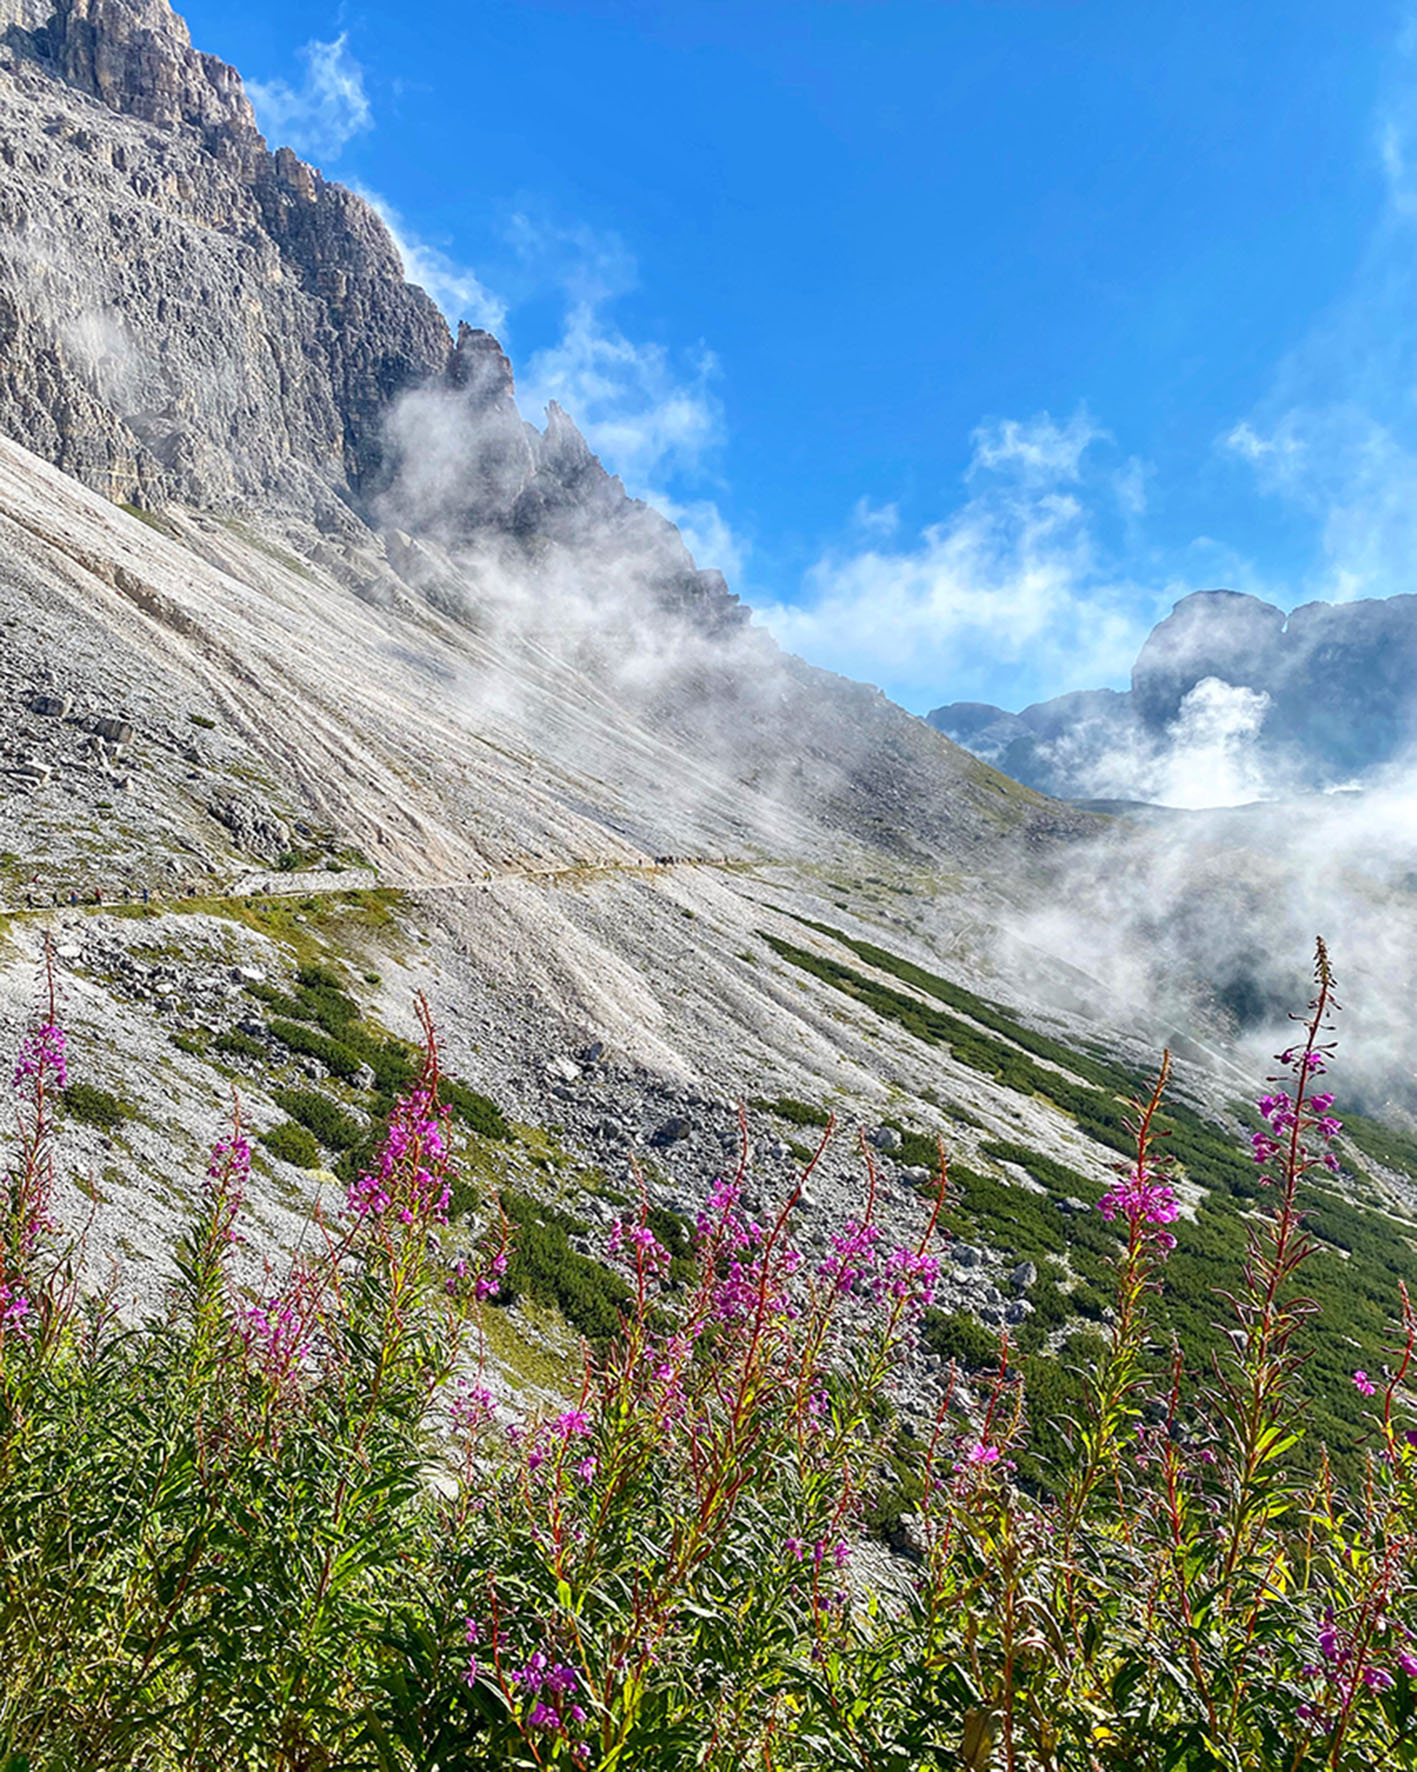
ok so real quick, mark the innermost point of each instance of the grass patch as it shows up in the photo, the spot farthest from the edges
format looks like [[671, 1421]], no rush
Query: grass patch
[[97, 1107]]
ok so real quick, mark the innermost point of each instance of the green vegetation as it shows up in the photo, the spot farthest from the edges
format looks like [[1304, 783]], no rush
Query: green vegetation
[[956, 1337], [287, 1528], [292, 1144], [335, 1129], [796, 1113], [234, 1044], [204, 721], [544, 1266], [1355, 1284], [478, 1112], [96, 1107]]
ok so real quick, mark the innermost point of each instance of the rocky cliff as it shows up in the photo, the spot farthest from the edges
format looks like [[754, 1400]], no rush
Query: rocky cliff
[[1318, 698], [189, 316]]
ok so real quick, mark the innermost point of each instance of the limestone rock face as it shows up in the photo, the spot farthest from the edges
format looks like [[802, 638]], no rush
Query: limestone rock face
[[183, 313]]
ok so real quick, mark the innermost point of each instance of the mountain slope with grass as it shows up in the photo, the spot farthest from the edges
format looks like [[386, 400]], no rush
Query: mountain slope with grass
[[464, 977]]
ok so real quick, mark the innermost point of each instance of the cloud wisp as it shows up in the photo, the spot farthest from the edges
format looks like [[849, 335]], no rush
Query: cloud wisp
[[320, 116], [456, 288], [1015, 573]]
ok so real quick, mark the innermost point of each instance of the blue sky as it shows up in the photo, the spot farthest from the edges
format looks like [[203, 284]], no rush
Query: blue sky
[[965, 335]]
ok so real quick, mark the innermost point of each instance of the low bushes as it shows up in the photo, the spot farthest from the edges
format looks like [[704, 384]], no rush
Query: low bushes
[[292, 1144]]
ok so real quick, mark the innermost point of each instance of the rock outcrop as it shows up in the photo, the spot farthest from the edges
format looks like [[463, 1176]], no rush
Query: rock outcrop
[[185, 314], [1328, 694]]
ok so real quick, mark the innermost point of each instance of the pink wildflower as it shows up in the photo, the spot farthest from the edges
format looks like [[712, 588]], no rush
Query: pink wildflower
[[42, 1057]]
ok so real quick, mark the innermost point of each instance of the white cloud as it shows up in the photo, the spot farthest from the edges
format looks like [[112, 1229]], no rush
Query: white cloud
[[645, 416], [706, 534], [456, 289], [1034, 449], [319, 116], [1014, 574], [882, 520]]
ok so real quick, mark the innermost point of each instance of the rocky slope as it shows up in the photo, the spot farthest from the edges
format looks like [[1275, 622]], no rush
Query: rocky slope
[[373, 676]]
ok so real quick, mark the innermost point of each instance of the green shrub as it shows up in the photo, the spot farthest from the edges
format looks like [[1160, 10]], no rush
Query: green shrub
[[234, 1044], [335, 1129], [796, 1113], [292, 1144], [96, 1107], [479, 1113], [543, 1266], [338, 1058], [954, 1336]]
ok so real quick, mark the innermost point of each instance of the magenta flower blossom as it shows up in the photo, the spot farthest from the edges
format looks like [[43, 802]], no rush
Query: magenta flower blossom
[[636, 1246], [1146, 1202], [489, 1284], [272, 1330], [230, 1159], [571, 1424], [1363, 1384], [42, 1057], [854, 1253], [410, 1173], [980, 1453], [472, 1406], [909, 1279], [1407, 1662], [1378, 1678], [15, 1307]]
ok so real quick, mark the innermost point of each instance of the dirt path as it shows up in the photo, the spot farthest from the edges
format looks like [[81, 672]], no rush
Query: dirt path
[[307, 885]]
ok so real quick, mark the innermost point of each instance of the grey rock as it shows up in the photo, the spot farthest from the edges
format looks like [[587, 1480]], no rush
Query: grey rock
[[254, 826], [1023, 1276], [965, 1255], [671, 1131], [1018, 1310], [884, 1138]]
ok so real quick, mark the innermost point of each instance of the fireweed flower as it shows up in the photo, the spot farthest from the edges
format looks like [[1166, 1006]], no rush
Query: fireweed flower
[[489, 1283], [230, 1159], [853, 1254], [1146, 1202], [272, 1330], [42, 1056], [908, 1278], [410, 1173], [636, 1246], [14, 1309], [1363, 1384], [471, 1407]]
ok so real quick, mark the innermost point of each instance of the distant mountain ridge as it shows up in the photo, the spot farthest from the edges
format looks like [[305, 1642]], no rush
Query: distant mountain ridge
[[1320, 697]]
